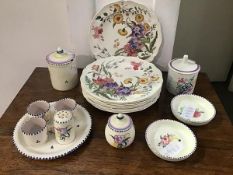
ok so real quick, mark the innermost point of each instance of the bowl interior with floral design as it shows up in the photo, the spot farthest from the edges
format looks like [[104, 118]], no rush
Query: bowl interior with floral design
[[125, 28], [170, 140], [192, 109]]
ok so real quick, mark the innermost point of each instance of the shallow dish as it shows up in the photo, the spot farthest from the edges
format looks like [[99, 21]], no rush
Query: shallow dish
[[51, 149], [192, 109], [125, 28], [170, 140]]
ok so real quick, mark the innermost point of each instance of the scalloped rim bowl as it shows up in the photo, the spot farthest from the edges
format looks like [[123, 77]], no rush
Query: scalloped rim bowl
[[180, 144], [204, 109]]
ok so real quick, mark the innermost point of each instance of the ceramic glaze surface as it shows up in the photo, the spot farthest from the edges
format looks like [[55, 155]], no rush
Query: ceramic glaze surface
[[125, 28], [119, 131], [63, 70], [52, 149], [182, 76], [192, 109], [170, 140], [34, 131], [64, 127], [121, 80]]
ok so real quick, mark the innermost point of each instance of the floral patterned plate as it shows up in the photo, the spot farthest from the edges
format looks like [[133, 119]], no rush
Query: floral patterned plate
[[125, 28], [51, 149], [170, 140], [192, 109], [121, 80]]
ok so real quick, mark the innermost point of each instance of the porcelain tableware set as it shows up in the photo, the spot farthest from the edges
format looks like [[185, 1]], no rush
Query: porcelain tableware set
[[124, 38], [71, 129]]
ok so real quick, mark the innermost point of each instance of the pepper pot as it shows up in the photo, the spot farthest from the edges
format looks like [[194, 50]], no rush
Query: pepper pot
[[119, 131]]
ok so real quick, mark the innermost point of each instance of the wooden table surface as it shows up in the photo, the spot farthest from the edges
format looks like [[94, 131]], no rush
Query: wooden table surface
[[214, 154]]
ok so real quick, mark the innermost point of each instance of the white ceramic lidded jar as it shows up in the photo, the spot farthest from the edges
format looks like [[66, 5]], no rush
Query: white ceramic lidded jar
[[119, 131], [63, 69], [182, 75]]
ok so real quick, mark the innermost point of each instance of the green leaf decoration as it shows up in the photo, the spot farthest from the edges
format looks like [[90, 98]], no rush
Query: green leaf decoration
[[104, 95], [114, 24], [105, 71], [98, 17], [105, 14], [118, 52], [153, 42], [147, 48]]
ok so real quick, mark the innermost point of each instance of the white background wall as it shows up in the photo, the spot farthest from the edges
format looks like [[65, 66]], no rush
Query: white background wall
[[30, 29]]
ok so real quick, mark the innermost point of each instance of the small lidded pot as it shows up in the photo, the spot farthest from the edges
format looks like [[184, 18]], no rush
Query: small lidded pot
[[63, 71], [182, 75], [119, 131], [64, 127]]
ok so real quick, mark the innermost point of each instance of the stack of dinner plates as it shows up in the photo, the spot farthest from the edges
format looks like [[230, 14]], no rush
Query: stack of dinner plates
[[121, 84]]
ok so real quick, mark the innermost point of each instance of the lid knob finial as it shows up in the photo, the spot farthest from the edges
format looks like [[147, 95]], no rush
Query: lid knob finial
[[185, 58], [120, 116], [59, 50]]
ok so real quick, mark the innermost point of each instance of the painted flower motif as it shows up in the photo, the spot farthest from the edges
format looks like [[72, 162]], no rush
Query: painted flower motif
[[138, 31], [184, 86], [167, 139], [117, 7], [102, 81], [139, 18], [122, 32], [154, 78], [123, 91], [135, 43], [111, 85], [95, 67], [143, 80], [128, 81], [121, 140], [146, 27], [63, 132], [135, 65], [118, 18], [97, 32], [129, 50], [197, 114]]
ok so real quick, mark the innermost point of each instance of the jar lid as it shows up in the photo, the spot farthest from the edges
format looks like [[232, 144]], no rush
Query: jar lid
[[62, 116], [120, 122], [60, 57], [184, 65]]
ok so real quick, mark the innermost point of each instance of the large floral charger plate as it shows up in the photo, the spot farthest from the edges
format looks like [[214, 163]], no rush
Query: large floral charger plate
[[121, 80], [125, 28], [52, 149]]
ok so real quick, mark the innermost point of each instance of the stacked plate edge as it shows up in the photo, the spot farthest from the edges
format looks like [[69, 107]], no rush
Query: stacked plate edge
[[121, 84]]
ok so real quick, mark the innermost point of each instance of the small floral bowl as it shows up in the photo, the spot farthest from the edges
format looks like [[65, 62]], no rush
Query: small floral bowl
[[192, 109]]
